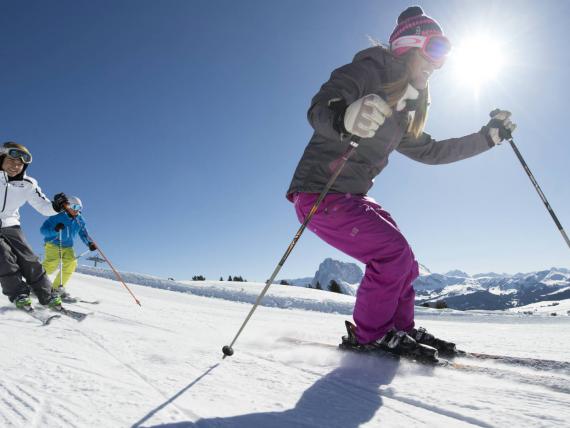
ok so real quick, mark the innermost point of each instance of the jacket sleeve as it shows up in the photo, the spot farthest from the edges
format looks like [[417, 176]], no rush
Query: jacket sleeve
[[429, 151], [346, 84], [38, 200], [47, 229], [83, 233]]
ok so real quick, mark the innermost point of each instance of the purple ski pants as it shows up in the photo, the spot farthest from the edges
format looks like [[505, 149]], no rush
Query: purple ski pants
[[359, 227]]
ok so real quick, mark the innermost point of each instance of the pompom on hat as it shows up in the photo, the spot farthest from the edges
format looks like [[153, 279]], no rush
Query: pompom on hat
[[413, 22]]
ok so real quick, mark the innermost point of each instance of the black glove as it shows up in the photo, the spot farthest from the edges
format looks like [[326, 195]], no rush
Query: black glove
[[59, 227], [338, 108], [92, 246], [59, 201]]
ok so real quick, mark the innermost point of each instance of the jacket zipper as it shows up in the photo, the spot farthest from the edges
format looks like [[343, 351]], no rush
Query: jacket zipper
[[5, 192]]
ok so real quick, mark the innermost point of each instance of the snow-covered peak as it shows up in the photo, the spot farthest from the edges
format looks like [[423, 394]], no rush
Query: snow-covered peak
[[458, 273], [346, 275], [488, 275], [424, 270]]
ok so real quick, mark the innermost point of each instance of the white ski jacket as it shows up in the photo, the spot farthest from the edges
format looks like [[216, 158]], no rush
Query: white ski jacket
[[15, 193]]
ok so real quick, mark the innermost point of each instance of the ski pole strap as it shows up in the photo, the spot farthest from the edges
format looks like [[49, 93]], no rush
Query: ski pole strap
[[539, 191]]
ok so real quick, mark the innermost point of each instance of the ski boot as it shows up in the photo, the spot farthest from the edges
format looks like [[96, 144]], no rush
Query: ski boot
[[394, 343], [421, 335], [65, 296], [54, 303], [23, 302]]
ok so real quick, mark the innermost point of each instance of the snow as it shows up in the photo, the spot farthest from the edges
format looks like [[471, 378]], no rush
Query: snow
[[160, 365], [558, 307]]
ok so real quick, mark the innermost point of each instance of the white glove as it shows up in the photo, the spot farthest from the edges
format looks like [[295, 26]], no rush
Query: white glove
[[500, 126], [364, 116]]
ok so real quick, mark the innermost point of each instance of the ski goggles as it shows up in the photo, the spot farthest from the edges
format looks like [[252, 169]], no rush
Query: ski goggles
[[75, 207], [23, 155], [434, 48]]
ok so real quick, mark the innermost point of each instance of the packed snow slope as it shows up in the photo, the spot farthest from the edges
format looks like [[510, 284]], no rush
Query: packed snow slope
[[160, 365]]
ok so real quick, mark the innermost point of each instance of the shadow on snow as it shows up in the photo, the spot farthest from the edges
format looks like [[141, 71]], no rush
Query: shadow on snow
[[345, 398]]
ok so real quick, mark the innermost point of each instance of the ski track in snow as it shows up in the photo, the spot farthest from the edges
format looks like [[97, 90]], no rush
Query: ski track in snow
[[160, 366], [555, 383]]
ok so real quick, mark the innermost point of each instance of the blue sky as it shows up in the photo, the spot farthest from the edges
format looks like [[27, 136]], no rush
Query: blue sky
[[180, 123]]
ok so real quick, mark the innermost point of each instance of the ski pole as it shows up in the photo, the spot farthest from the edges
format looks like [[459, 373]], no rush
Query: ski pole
[[67, 209], [509, 137], [60, 261], [228, 349], [82, 254]]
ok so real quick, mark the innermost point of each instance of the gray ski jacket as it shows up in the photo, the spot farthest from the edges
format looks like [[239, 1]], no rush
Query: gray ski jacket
[[370, 69]]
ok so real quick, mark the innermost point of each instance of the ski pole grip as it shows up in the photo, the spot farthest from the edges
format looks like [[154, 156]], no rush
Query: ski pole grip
[[504, 133]]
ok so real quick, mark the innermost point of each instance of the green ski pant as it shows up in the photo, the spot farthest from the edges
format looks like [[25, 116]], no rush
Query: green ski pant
[[51, 263]]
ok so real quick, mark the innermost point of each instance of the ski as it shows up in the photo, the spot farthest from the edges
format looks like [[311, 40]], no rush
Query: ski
[[535, 363], [79, 300], [538, 364], [439, 362], [42, 317], [90, 302], [77, 316]]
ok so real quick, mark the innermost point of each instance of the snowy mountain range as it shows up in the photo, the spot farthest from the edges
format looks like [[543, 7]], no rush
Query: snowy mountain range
[[459, 290]]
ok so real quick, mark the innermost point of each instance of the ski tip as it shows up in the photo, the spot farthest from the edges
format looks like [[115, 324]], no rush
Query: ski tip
[[50, 319]]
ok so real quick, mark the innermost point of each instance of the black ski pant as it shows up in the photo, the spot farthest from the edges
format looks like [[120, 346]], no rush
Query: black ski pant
[[18, 263]]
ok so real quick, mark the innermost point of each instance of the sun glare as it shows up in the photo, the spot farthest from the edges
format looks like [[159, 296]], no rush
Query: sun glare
[[477, 61]]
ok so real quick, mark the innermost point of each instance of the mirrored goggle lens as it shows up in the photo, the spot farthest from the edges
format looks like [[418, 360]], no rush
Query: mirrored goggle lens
[[75, 207], [20, 154], [438, 48]]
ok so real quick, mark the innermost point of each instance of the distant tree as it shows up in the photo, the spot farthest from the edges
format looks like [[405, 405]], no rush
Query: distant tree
[[221, 278], [171, 279], [441, 304], [283, 282], [425, 304], [198, 278], [318, 286], [334, 287], [238, 278], [230, 278]]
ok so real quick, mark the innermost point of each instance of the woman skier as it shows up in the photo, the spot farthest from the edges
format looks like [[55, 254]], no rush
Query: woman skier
[[65, 225], [382, 99], [20, 268]]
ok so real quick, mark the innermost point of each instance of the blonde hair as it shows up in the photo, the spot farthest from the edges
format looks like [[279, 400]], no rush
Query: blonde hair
[[395, 90]]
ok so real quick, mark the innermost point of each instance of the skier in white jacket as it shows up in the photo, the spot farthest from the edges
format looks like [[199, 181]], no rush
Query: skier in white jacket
[[20, 268]]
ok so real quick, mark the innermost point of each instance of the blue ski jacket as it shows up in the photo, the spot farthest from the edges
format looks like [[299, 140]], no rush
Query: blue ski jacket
[[68, 233]]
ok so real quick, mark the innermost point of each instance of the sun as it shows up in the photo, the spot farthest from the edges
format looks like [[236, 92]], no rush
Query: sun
[[476, 61]]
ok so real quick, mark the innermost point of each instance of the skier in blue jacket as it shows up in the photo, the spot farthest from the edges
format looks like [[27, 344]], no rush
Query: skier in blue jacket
[[67, 226]]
